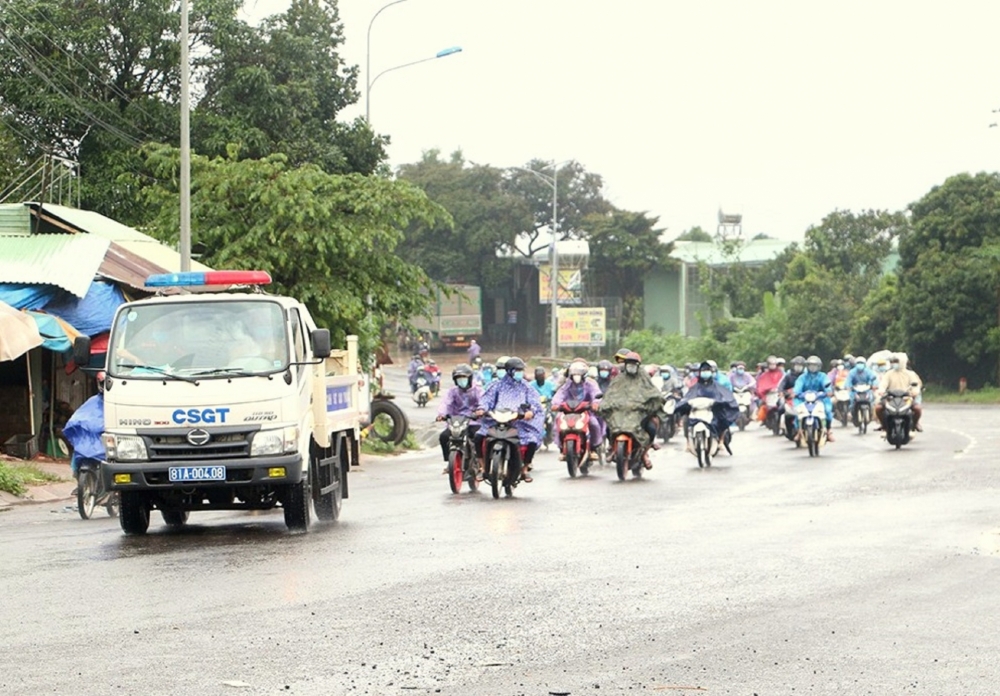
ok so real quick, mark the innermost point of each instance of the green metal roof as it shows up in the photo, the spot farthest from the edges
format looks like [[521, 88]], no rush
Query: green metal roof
[[15, 219], [68, 261], [755, 251]]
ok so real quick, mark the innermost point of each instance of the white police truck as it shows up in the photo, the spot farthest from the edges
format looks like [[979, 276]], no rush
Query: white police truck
[[222, 400]]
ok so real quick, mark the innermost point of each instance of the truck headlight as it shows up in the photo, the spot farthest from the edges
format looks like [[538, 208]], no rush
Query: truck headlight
[[270, 442], [125, 448]]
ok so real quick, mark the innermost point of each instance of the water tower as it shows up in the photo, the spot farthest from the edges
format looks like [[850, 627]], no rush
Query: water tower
[[730, 226]]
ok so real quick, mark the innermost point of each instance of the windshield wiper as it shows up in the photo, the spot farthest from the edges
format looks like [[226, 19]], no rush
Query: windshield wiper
[[159, 371], [238, 371]]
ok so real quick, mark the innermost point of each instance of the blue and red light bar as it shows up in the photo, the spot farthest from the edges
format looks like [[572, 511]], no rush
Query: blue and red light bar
[[193, 278]]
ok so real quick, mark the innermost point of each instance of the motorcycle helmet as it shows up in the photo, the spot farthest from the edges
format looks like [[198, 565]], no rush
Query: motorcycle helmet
[[577, 372], [798, 364], [771, 362], [540, 374], [514, 367], [477, 363], [621, 355], [860, 363], [848, 360], [462, 376], [780, 362], [632, 362], [813, 363], [604, 368], [714, 365], [502, 362]]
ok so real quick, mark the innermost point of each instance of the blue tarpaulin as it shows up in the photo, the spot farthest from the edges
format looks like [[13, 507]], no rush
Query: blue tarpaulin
[[83, 429], [20, 296], [93, 313], [53, 334]]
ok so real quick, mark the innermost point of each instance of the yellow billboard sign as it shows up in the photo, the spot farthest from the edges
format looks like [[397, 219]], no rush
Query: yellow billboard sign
[[581, 326], [570, 285]]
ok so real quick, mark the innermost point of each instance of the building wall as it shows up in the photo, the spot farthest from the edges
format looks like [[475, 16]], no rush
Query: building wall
[[661, 300]]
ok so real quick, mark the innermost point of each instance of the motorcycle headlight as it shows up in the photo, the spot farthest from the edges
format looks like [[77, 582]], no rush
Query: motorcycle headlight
[[131, 448], [457, 428], [278, 441]]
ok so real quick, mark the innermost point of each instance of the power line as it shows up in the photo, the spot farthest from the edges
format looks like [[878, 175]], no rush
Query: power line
[[88, 67], [114, 130], [58, 72]]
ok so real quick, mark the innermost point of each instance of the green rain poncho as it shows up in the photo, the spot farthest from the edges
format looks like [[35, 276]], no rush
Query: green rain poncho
[[627, 401]]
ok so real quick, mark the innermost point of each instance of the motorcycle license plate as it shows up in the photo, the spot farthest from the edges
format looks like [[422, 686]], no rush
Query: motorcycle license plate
[[181, 474]]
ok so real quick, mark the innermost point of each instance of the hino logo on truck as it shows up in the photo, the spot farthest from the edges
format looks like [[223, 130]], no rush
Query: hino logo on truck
[[199, 415], [134, 421]]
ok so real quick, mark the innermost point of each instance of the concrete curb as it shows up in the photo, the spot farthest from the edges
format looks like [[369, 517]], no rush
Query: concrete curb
[[49, 493]]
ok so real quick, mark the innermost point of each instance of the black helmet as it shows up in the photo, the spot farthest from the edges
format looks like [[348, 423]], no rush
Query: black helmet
[[461, 371], [605, 365], [513, 364]]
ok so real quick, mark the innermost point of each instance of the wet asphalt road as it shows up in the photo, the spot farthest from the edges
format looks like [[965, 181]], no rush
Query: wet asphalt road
[[868, 571]]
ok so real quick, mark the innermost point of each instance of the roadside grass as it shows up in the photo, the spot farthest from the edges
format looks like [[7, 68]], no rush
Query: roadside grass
[[374, 446], [15, 478], [937, 395]]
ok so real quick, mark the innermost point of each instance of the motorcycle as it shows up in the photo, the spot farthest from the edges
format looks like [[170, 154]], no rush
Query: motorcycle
[[434, 377], [772, 414], [812, 422], [422, 388], [704, 440], [573, 424], [898, 405], [549, 422], [90, 490], [841, 405], [626, 452], [461, 455], [505, 453], [744, 399], [790, 424], [668, 426], [862, 414]]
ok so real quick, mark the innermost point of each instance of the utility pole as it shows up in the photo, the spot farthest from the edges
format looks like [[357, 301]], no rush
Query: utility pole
[[185, 241]]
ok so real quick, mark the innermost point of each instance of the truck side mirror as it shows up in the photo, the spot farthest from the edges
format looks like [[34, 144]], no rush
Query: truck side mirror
[[320, 343], [81, 351]]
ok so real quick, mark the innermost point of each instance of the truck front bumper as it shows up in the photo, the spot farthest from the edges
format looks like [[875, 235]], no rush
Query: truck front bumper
[[242, 471]]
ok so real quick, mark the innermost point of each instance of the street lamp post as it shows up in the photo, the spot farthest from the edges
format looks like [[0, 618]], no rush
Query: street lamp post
[[368, 54], [553, 182], [440, 54]]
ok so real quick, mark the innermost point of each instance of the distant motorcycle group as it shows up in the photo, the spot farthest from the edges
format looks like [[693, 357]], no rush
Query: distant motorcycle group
[[802, 402], [614, 413]]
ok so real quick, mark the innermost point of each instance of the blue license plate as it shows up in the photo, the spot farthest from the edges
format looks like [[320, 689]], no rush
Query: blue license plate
[[180, 474]]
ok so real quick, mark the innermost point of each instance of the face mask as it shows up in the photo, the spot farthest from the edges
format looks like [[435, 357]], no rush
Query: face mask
[[859, 368], [813, 369], [705, 374], [739, 370], [603, 374], [462, 382], [518, 375], [632, 369], [664, 375], [797, 369], [577, 379], [896, 366]]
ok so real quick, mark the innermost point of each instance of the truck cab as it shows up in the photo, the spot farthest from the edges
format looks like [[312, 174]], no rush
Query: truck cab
[[223, 401]]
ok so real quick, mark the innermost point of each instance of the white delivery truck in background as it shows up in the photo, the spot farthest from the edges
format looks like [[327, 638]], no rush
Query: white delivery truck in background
[[227, 401]]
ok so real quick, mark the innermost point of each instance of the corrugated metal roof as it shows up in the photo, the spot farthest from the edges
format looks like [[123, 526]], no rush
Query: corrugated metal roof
[[125, 268], [132, 240], [15, 219], [755, 251], [68, 261]]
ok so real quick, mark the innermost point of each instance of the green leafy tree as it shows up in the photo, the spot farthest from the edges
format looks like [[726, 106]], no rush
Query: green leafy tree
[[483, 219], [695, 234], [624, 247], [876, 325], [948, 301], [330, 240], [854, 248], [819, 321]]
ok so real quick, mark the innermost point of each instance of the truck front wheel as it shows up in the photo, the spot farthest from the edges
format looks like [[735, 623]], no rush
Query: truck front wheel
[[134, 513], [296, 505]]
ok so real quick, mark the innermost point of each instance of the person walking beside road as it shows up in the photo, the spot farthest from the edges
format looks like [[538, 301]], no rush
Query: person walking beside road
[[473, 351]]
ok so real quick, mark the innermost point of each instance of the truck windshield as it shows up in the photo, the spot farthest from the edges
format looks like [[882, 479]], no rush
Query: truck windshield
[[203, 339]]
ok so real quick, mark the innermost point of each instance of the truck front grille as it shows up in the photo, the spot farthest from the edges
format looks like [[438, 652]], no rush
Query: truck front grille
[[220, 446]]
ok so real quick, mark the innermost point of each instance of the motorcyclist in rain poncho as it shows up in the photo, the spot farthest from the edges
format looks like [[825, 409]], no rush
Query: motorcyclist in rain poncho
[[631, 404]]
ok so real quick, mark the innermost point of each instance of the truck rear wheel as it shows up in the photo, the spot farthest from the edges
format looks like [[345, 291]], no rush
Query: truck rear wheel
[[134, 513], [328, 506], [174, 518], [296, 506]]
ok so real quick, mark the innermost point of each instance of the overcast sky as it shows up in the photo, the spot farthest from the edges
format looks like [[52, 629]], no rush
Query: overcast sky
[[780, 110]]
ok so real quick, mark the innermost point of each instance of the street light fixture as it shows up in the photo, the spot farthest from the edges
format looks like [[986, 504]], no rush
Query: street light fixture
[[440, 54], [553, 182], [368, 53]]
